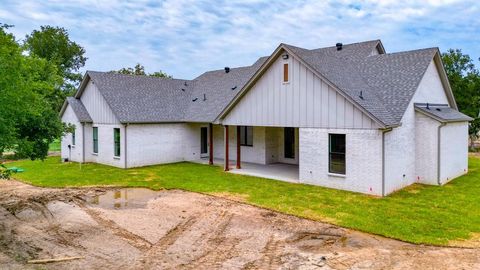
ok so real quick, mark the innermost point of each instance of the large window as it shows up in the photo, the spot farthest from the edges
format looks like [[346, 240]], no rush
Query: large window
[[95, 140], [116, 141], [246, 136], [73, 136], [336, 153]]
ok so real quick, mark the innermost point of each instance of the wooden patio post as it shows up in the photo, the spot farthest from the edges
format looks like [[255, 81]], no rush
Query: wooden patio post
[[210, 139], [238, 148], [225, 138]]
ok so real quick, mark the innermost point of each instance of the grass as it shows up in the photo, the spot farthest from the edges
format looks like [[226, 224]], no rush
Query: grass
[[55, 146], [417, 214]]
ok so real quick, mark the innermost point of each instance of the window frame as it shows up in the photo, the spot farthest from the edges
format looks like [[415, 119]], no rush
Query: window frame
[[244, 136], [337, 153], [286, 75], [116, 142], [73, 137], [95, 139]]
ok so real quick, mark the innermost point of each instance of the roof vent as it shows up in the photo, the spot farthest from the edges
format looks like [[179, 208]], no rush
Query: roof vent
[[195, 99], [438, 109], [204, 97], [227, 69], [185, 83], [183, 89], [361, 95], [235, 87], [339, 46], [428, 106]]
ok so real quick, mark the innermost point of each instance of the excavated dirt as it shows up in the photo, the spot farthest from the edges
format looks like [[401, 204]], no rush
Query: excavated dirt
[[143, 229]]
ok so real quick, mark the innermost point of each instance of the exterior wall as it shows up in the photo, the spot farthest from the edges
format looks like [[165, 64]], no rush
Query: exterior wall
[[192, 142], [253, 154], [305, 101], [75, 153], [453, 151], [151, 144], [96, 105], [426, 149], [105, 153], [363, 160], [400, 143]]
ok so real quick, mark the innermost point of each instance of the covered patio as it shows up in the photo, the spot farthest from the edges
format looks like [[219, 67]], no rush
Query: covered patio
[[277, 171]]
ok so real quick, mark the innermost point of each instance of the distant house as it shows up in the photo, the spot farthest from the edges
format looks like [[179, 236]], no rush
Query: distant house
[[349, 117]]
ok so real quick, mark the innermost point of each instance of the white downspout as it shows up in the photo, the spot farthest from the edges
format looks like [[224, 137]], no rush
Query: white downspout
[[383, 159], [439, 134]]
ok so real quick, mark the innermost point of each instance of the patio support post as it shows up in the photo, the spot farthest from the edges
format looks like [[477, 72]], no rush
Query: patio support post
[[238, 148], [210, 141], [225, 138]]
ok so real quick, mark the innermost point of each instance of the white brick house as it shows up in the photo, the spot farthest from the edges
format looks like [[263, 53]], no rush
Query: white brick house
[[349, 117]]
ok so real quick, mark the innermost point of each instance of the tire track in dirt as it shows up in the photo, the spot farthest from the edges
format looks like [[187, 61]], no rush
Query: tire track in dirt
[[271, 256], [156, 251], [133, 239], [219, 247]]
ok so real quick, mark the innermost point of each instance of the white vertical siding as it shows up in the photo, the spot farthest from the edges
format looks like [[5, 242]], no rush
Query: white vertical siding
[[453, 151], [305, 101], [96, 106]]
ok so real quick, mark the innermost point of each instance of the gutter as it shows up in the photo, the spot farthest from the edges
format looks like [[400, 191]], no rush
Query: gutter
[[125, 151], [83, 142], [439, 134], [384, 131]]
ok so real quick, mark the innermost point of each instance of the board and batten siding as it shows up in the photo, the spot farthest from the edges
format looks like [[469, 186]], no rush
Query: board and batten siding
[[96, 105], [305, 101]]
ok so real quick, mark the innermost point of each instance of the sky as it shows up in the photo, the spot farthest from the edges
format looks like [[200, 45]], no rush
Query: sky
[[186, 38]]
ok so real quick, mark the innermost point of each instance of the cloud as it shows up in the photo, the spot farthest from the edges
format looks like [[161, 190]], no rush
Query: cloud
[[186, 37]]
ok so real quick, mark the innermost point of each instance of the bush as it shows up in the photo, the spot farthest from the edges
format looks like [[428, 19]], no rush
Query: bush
[[4, 172]]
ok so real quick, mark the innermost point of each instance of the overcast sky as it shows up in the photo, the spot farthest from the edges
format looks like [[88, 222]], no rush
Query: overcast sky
[[185, 38]]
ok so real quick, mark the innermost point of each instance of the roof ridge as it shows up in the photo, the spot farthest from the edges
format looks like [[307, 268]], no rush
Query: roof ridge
[[136, 76]]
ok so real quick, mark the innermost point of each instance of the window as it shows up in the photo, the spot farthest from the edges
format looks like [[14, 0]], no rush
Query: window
[[246, 136], [116, 141], [73, 136], [336, 153], [95, 140], [285, 72]]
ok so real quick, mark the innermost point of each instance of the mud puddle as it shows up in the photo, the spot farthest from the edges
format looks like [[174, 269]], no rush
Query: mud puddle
[[144, 229], [127, 198]]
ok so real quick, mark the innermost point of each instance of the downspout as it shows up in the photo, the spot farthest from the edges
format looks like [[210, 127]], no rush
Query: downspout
[[384, 131], [83, 142], [125, 151], [439, 135]]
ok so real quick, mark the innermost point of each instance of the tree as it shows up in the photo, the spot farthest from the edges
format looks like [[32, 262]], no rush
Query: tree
[[28, 121], [464, 79], [140, 70], [54, 45]]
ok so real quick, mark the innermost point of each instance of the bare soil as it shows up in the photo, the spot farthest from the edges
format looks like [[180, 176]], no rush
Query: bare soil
[[144, 229]]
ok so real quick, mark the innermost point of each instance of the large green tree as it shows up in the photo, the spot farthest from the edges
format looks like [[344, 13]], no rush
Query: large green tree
[[464, 79], [28, 121], [140, 70], [54, 45]]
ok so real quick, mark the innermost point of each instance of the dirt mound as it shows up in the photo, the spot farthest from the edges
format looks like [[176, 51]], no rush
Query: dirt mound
[[144, 229]]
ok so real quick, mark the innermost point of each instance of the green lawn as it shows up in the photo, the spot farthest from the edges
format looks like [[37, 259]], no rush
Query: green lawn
[[55, 146], [418, 214]]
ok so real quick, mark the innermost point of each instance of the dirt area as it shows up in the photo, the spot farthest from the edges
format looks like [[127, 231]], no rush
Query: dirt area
[[143, 229]]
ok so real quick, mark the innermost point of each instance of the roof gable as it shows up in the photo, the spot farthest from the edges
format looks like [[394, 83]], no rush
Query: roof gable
[[78, 108]]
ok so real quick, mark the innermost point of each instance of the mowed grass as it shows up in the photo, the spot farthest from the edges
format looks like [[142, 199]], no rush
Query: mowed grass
[[418, 214], [55, 145]]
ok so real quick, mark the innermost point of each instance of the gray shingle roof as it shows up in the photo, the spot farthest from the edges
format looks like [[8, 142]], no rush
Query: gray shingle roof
[[381, 84], [79, 110], [442, 112], [143, 99]]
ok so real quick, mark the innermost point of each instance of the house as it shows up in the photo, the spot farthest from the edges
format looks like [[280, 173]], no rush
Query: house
[[349, 117]]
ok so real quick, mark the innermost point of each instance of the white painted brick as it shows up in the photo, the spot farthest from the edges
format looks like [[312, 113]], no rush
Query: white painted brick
[[363, 159]]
